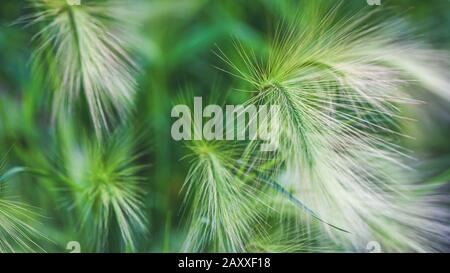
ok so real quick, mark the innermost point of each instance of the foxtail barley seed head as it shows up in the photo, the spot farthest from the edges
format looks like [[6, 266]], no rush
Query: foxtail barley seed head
[[340, 85], [86, 57], [221, 210], [104, 188]]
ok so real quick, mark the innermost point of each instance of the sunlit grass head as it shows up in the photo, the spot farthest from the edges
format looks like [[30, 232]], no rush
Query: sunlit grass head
[[221, 213], [86, 59], [341, 83]]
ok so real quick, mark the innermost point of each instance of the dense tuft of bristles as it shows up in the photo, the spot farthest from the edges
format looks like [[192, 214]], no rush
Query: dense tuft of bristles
[[18, 232], [340, 85], [102, 186], [222, 215], [85, 53]]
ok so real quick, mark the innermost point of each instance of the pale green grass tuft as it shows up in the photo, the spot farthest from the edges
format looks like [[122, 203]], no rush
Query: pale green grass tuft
[[222, 215], [18, 221], [86, 58], [104, 190], [340, 85], [17, 231]]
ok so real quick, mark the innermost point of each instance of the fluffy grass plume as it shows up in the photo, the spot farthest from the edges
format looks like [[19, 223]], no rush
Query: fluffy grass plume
[[86, 58], [340, 84], [102, 186], [222, 215], [18, 232]]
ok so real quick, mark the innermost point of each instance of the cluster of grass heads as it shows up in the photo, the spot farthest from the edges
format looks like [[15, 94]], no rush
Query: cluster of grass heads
[[340, 95], [346, 82]]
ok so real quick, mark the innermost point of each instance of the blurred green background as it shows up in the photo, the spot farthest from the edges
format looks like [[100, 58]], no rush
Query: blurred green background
[[175, 45]]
